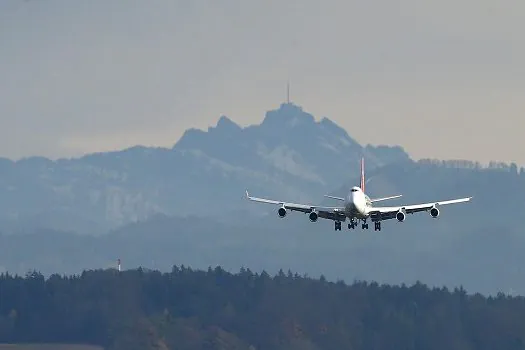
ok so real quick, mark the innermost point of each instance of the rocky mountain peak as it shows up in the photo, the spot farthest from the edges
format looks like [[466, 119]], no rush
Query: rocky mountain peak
[[288, 115], [226, 124]]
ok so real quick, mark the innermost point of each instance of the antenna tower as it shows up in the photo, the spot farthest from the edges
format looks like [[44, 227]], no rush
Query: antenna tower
[[288, 92]]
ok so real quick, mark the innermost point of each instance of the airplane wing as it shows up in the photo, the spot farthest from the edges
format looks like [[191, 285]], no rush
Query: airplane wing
[[332, 213], [386, 213]]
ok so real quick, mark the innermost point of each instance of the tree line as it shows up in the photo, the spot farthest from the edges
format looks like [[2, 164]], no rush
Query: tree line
[[216, 309]]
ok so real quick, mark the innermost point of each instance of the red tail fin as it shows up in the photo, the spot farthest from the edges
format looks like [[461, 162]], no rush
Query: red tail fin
[[363, 174]]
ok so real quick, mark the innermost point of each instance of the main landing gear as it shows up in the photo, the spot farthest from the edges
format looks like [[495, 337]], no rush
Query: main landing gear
[[364, 225], [338, 225], [353, 224]]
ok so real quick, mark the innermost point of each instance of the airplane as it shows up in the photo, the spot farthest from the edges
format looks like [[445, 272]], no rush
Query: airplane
[[358, 207]]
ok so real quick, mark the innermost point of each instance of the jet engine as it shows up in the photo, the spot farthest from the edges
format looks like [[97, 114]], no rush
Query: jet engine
[[281, 212], [313, 216], [400, 216], [434, 212]]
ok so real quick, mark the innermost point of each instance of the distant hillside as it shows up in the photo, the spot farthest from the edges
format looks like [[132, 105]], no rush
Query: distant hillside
[[463, 247], [288, 154], [212, 309]]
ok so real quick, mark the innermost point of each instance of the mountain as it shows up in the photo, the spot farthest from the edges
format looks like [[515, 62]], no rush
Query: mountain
[[185, 205], [289, 154]]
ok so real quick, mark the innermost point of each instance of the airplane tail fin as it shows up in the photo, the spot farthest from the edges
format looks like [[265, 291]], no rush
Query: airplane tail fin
[[363, 174], [363, 185]]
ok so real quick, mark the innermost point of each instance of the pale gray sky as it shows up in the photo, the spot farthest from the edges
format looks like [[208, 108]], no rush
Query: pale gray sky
[[443, 78]]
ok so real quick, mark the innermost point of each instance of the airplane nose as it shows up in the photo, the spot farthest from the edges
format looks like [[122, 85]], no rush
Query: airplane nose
[[356, 203], [353, 200]]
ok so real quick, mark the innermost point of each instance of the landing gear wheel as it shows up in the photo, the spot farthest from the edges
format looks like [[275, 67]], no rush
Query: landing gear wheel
[[338, 226], [377, 226], [364, 226]]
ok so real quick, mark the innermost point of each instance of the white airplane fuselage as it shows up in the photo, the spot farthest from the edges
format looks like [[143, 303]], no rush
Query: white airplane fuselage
[[357, 204]]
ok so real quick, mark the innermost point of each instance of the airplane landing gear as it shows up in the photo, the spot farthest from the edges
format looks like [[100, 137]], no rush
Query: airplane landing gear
[[352, 224], [364, 226], [338, 226], [377, 226]]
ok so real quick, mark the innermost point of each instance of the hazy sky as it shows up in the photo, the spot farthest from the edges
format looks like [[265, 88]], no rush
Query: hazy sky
[[442, 78]]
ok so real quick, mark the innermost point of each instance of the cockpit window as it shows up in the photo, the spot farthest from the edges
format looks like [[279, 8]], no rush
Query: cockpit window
[[354, 189]]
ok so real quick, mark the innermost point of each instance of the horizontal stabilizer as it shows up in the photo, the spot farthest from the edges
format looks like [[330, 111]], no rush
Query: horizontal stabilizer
[[338, 198], [385, 198]]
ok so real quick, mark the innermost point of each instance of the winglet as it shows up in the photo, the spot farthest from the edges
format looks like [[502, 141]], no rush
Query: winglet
[[247, 195]]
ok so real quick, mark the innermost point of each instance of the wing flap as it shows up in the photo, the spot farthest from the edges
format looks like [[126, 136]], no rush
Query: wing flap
[[332, 215], [305, 208], [271, 201]]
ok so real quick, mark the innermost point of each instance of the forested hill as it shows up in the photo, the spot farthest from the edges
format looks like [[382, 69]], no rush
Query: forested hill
[[214, 309]]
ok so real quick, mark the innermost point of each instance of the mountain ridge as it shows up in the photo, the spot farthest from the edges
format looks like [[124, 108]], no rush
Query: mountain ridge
[[288, 155]]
